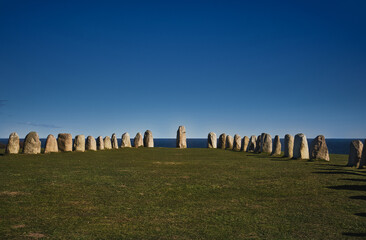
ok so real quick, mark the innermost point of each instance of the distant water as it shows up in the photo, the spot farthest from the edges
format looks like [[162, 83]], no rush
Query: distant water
[[335, 145]]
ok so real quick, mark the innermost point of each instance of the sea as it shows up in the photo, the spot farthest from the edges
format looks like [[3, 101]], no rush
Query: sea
[[335, 145]]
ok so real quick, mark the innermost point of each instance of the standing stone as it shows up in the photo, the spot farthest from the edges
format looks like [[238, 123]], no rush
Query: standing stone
[[245, 144], [32, 145], [181, 137], [258, 146], [107, 143], [91, 144], [114, 141], [222, 141], [289, 146], [51, 144], [79, 143], [355, 153], [319, 149], [148, 139], [137, 141], [237, 142], [126, 140], [212, 140], [13, 144], [64, 142], [276, 146], [100, 143], [229, 142], [252, 144], [301, 149], [363, 156], [266, 142]]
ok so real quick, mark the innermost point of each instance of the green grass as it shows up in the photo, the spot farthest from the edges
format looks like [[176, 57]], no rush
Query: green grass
[[179, 194]]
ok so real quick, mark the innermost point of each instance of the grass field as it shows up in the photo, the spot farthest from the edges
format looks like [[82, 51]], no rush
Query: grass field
[[164, 193]]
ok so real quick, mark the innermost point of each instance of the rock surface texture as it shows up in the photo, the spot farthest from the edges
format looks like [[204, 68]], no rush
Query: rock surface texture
[[64, 142], [266, 143], [114, 141], [211, 140], [148, 139], [79, 143], [244, 144], [13, 144], [222, 141], [107, 143], [363, 156], [319, 149], [91, 144], [32, 144], [289, 146], [51, 144], [355, 153], [126, 140], [258, 145], [137, 141], [181, 137], [276, 146], [252, 143], [237, 143], [100, 143], [229, 142], [301, 149]]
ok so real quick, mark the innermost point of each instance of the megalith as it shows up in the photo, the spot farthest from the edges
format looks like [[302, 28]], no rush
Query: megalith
[[258, 145], [91, 144], [289, 146], [237, 142], [266, 143], [64, 142], [229, 142], [32, 144], [114, 141], [137, 141], [355, 153], [319, 149], [245, 144], [148, 139], [222, 141], [13, 144], [79, 143], [276, 146], [107, 143], [301, 149], [252, 143], [100, 143], [51, 144], [181, 137], [126, 140], [211, 140]]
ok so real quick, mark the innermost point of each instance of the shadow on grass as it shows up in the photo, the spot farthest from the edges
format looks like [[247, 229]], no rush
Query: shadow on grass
[[341, 172], [349, 187], [362, 214], [358, 197], [353, 179], [354, 234]]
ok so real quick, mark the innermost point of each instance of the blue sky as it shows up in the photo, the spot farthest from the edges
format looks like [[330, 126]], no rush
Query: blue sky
[[246, 67]]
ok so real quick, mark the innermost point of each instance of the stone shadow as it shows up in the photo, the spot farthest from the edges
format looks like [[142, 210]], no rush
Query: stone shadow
[[362, 214], [354, 234], [349, 187], [358, 197]]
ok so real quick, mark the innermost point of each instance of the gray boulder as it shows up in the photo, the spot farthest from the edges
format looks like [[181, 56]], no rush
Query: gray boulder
[[244, 144], [148, 139], [13, 144], [301, 149], [114, 141], [32, 144], [100, 143], [252, 144], [126, 140], [258, 146], [276, 146], [289, 146], [319, 149], [91, 144], [363, 156], [229, 142], [51, 144], [222, 141], [266, 143], [355, 153], [79, 143], [212, 140], [237, 143], [181, 137], [107, 143], [137, 141], [64, 142]]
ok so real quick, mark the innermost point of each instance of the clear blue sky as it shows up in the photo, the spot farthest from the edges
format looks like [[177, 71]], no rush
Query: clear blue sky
[[246, 67]]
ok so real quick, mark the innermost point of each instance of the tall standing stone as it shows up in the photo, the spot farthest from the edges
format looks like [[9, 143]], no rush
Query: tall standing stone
[[244, 144], [222, 141], [126, 140], [32, 144], [13, 144], [91, 144], [276, 146], [319, 149], [114, 141], [181, 137], [252, 143], [79, 143], [229, 142], [355, 153], [363, 156], [107, 143], [51, 144], [258, 145], [64, 142], [100, 143], [148, 139], [266, 143], [211, 140], [137, 141], [289, 146], [237, 142], [301, 149]]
